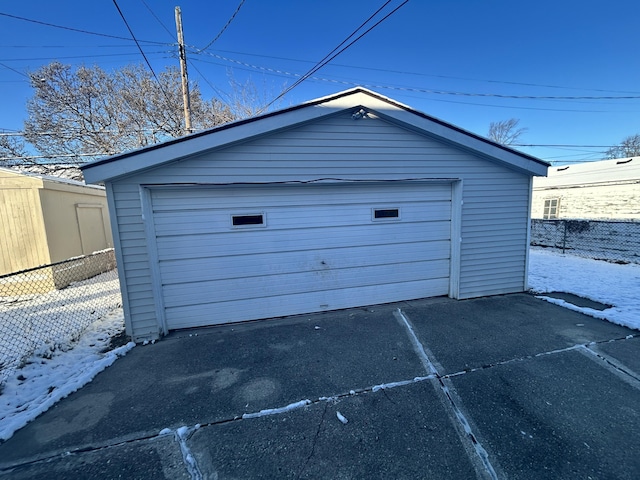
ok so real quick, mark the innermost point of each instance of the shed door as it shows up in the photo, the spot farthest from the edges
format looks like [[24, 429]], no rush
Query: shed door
[[91, 224], [229, 254]]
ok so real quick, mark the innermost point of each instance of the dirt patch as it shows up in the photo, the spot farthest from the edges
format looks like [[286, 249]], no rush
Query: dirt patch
[[118, 341]]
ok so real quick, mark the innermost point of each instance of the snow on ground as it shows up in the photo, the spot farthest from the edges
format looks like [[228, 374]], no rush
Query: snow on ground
[[608, 283], [42, 382], [49, 321]]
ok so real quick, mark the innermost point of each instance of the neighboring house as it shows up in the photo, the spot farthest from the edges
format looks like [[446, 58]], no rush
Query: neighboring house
[[349, 200], [603, 190], [48, 219]]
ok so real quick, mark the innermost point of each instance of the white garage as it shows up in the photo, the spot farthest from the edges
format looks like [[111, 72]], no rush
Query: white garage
[[345, 201]]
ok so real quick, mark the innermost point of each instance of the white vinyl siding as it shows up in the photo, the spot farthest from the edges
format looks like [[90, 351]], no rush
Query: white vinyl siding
[[494, 221], [134, 270]]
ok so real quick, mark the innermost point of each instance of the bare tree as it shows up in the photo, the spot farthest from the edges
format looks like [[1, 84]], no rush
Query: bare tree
[[12, 149], [15, 155], [629, 147], [89, 111], [505, 132], [245, 99]]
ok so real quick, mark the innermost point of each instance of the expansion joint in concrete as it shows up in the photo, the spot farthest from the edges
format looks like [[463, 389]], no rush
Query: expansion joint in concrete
[[452, 403]]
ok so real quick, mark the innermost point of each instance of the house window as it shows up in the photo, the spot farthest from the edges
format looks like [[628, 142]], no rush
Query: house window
[[551, 208]]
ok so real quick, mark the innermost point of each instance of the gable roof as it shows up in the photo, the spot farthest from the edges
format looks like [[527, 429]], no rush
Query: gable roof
[[40, 180], [618, 170], [353, 99]]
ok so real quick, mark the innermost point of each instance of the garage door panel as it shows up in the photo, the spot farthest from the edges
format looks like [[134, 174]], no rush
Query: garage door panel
[[215, 220], [232, 243], [238, 266], [186, 205], [277, 306], [293, 195], [240, 243], [293, 283]]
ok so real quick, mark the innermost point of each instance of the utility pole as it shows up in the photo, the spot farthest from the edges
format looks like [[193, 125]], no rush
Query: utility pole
[[183, 70]]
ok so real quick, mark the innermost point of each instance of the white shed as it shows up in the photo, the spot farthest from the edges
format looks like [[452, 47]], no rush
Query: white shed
[[349, 200], [49, 219]]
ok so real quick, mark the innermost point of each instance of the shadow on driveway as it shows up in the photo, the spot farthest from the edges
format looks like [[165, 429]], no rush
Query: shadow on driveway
[[498, 387]]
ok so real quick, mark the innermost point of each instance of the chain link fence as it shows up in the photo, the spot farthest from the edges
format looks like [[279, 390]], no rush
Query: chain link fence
[[44, 309], [614, 241]]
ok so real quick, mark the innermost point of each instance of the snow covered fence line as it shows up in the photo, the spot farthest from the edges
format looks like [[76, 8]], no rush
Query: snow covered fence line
[[44, 381], [613, 241], [46, 308]]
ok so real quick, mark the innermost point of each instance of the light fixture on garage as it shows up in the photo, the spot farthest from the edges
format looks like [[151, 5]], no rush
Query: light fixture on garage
[[358, 114]]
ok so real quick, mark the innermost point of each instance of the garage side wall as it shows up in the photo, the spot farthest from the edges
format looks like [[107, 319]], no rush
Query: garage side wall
[[494, 214]]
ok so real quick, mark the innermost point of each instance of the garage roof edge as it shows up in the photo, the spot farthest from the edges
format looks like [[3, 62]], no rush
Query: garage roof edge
[[117, 165]]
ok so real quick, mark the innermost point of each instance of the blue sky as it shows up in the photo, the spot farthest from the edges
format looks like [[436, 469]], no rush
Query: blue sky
[[476, 50]]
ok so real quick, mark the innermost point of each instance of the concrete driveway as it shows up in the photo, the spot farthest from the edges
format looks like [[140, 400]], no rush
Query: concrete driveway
[[499, 387]]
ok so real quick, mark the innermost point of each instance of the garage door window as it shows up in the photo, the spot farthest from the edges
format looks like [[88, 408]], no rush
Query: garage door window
[[385, 214], [251, 220]]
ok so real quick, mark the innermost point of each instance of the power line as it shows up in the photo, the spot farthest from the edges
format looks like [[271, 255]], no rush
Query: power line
[[420, 90], [285, 73], [511, 107], [225, 27], [158, 20], [521, 97], [75, 46], [560, 145], [213, 87], [72, 29], [331, 55], [62, 155], [14, 70], [404, 72], [325, 60], [442, 92], [76, 56], [327, 56], [16, 133], [581, 155], [560, 161], [115, 2]]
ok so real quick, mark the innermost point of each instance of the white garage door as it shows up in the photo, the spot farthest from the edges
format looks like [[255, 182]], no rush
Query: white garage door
[[236, 253]]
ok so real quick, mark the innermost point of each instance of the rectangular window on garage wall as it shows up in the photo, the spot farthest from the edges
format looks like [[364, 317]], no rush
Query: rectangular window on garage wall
[[249, 220], [551, 208], [385, 214]]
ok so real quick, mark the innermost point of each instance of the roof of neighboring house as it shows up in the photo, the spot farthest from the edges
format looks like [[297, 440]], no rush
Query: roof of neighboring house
[[356, 98], [40, 179], [619, 170]]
